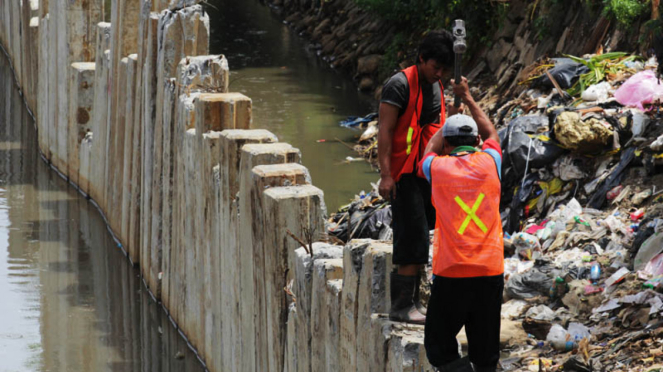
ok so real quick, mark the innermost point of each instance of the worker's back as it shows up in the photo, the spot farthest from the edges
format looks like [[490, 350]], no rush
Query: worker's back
[[466, 194]]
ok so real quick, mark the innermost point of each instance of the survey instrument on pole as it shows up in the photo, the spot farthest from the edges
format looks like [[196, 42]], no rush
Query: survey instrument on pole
[[459, 48]]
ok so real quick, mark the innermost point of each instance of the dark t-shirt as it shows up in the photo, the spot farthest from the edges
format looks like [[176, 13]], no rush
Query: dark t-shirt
[[397, 92]]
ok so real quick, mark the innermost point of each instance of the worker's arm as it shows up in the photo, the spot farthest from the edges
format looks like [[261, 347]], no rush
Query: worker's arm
[[388, 117], [486, 128], [436, 144]]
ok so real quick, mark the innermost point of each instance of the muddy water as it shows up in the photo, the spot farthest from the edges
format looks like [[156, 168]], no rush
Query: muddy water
[[295, 95], [69, 299]]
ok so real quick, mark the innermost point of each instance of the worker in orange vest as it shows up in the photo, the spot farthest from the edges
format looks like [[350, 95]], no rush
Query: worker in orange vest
[[412, 110], [468, 252]]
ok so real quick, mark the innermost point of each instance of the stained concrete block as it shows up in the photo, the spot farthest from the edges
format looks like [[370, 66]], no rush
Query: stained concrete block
[[43, 92], [115, 158], [332, 327], [98, 122], [30, 45], [353, 254], [209, 258], [81, 101], [129, 131], [73, 37], [148, 106], [294, 208], [125, 15], [251, 202], [301, 263], [174, 29], [323, 343], [184, 174], [163, 222], [203, 73], [146, 29], [85, 156], [373, 296], [232, 143], [225, 111], [405, 349]]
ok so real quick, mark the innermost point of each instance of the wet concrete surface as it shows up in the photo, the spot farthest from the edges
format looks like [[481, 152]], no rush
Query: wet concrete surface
[[69, 298], [295, 95]]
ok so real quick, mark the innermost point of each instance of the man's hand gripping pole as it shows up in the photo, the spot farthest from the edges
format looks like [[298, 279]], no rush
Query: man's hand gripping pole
[[459, 48]]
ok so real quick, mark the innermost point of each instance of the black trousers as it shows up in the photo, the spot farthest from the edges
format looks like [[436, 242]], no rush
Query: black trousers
[[475, 303], [412, 216]]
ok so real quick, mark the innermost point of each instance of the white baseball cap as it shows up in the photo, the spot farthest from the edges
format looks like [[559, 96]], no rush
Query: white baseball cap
[[460, 125]]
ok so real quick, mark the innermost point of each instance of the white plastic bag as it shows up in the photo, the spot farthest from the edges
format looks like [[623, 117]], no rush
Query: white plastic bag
[[578, 331], [559, 338], [597, 92]]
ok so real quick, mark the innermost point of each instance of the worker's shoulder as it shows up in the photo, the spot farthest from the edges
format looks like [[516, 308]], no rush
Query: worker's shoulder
[[398, 80]]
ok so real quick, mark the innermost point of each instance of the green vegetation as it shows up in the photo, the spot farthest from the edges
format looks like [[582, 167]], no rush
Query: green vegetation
[[600, 67], [625, 12], [418, 16], [484, 18], [414, 18]]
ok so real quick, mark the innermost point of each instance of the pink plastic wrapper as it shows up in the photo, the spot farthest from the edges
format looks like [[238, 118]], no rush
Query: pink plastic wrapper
[[640, 89], [655, 267]]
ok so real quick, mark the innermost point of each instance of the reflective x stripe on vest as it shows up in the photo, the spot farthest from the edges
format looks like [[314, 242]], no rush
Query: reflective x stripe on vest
[[468, 232], [410, 138], [471, 214]]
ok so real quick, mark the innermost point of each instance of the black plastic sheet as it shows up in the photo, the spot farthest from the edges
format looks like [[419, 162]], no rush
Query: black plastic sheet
[[565, 72]]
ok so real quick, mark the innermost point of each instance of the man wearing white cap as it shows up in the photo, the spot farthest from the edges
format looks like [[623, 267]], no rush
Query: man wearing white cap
[[468, 255]]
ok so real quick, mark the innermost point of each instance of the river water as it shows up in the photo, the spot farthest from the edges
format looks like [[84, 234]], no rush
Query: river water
[[295, 95], [69, 298]]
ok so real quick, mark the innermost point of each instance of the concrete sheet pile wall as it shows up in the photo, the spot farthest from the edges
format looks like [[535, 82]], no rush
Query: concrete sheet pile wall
[[137, 115]]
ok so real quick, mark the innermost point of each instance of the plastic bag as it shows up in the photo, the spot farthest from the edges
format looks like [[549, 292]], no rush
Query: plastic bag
[[541, 149], [369, 133], [516, 143], [597, 92], [527, 246], [540, 312], [529, 284], [640, 89], [566, 169], [578, 331], [654, 268], [658, 144], [640, 122], [355, 121], [652, 247], [369, 223], [513, 309], [565, 72], [614, 179], [558, 338]]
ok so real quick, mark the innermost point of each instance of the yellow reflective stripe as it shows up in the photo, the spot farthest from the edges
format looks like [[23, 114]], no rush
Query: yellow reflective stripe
[[410, 132], [471, 214]]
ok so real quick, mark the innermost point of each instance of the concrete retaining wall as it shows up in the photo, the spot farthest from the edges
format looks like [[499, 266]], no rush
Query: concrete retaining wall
[[139, 117]]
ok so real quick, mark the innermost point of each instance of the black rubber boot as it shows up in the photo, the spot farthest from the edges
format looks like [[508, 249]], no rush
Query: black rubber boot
[[402, 300], [417, 297], [458, 365]]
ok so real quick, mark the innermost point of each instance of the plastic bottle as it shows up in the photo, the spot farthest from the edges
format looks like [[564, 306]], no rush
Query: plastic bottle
[[595, 273], [637, 215], [558, 338], [614, 192]]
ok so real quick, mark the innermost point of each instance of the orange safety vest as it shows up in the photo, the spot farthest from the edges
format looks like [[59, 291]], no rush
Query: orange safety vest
[[410, 138], [468, 233]]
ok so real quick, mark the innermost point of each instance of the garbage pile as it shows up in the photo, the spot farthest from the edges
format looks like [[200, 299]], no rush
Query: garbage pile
[[367, 142], [582, 211], [368, 216]]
